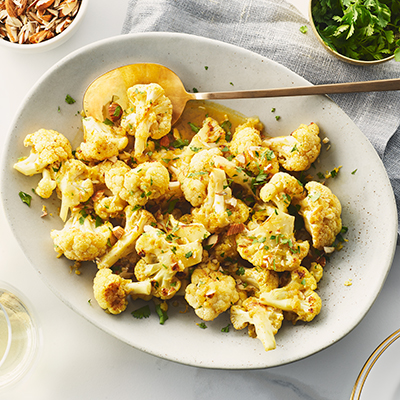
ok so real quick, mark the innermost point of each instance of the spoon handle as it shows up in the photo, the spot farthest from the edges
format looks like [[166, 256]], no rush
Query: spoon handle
[[353, 87]]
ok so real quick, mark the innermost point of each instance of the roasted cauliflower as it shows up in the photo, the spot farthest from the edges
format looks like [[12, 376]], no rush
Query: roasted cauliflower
[[211, 292], [272, 244], [161, 260], [48, 148], [80, 239], [321, 211], [220, 208], [299, 150], [148, 181], [298, 296], [100, 141], [74, 185], [111, 290], [263, 321], [149, 115]]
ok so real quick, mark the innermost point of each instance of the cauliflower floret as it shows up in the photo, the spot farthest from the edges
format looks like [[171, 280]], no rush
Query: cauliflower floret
[[280, 191], [236, 173], [184, 232], [148, 181], [47, 184], [150, 114], [194, 184], [299, 150], [245, 136], [257, 280], [321, 211], [220, 208], [210, 136], [107, 207], [48, 147], [111, 290], [162, 260], [317, 271], [101, 141], [135, 221], [297, 296], [272, 244], [210, 292], [81, 239], [258, 160], [73, 185], [263, 321], [225, 250]]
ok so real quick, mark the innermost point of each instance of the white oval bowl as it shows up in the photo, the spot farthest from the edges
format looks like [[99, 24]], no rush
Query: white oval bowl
[[368, 202]]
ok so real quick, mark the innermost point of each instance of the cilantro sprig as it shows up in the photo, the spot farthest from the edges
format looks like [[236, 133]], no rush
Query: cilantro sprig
[[359, 29]]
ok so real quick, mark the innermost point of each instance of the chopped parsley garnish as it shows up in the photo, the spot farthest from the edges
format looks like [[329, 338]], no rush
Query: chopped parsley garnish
[[98, 221], [69, 99], [226, 328], [108, 122], [353, 172], [179, 143], [140, 313], [304, 29], [171, 205], [240, 271], [26, 198], [202, 325], [161, 314], [189, 254], [193, 127]]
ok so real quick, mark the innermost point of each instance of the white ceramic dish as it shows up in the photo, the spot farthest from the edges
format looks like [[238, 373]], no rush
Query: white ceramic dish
[[368, 202], [380, 375]]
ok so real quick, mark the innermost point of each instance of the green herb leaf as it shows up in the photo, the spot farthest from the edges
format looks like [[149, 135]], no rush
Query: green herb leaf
[[179, 143], [304, 29], [140, 313], [161, 314], [26, 198], [69, 99]]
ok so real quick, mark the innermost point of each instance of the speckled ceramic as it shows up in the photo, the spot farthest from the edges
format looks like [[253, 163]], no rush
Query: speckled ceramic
[[366, 195]]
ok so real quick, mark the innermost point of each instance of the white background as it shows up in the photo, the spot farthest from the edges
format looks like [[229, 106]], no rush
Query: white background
[[79, 361]]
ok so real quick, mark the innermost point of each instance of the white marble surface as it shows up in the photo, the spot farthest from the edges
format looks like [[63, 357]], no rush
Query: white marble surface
[[78, 361]]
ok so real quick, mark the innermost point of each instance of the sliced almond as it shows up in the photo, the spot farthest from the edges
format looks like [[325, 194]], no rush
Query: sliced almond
[[22, 7], [11, 8], [12, 33], [234, 229], [38, 37], [42, 5], [66, 7]]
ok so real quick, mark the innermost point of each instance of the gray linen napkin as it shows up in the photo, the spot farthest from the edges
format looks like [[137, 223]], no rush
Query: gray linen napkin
[[272, 29]]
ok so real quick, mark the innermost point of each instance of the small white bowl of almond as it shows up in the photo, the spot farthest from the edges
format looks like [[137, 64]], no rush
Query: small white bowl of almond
[[33, 26]]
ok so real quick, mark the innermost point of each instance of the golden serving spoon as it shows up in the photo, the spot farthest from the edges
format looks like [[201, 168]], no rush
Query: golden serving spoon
[[112, 86]]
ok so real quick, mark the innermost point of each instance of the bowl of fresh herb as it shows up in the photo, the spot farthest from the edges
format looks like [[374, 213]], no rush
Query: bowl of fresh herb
[[361, 32]]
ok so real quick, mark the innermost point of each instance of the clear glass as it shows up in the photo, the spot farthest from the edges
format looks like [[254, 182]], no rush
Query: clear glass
[[20, 337]]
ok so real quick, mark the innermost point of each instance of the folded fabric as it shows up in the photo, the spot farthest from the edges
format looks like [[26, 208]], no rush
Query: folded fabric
[[272, 28]]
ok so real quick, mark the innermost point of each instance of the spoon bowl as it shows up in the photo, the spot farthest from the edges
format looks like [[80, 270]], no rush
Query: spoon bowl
[[112, 86]]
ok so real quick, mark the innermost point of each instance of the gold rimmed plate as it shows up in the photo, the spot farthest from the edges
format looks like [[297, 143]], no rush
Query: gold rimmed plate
[[380, 375]]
